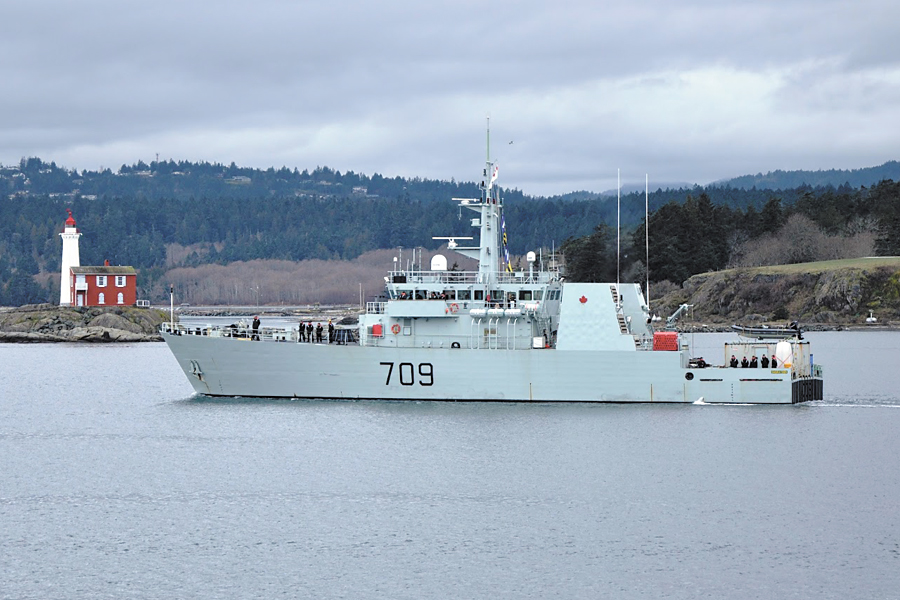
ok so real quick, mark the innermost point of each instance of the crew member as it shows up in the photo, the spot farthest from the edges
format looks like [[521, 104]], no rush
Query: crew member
[[255, 327], [764, 361], [734, 362]]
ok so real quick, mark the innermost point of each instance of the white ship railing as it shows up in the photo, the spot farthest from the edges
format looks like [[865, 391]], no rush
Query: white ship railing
[[521, 307], [264, 334], [466, 277]]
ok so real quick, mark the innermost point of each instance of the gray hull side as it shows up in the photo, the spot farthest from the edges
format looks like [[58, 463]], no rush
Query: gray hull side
[[229, 367]]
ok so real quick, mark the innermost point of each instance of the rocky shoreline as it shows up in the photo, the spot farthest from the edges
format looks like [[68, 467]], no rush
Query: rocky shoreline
[[828, 298], [693, 327], [41, 323]]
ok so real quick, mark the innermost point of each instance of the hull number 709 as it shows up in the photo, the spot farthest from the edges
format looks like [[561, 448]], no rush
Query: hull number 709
[[406, 373]]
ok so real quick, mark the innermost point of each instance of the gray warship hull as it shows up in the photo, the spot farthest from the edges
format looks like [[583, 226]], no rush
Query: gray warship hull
[[222, 366]]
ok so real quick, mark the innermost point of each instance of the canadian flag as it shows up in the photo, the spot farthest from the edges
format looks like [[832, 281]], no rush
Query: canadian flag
[[494, 174]]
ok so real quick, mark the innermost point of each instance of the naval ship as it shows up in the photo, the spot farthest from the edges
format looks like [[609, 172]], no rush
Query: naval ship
[[494, 334]]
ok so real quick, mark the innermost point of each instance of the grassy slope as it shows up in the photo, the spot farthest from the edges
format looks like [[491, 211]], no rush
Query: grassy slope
[[870, 262]]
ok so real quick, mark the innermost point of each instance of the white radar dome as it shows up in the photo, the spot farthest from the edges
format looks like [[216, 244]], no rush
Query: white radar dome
[[785, 354]]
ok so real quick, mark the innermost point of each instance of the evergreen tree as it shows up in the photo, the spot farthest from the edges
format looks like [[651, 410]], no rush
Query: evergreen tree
[[590, 258], [771, 217], [21, 289]]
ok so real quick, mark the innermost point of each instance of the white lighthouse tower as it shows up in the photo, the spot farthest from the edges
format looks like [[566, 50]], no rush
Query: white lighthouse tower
[[70, 259]]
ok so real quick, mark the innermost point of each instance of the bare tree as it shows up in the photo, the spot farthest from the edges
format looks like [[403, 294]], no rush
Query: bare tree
[[273, 282], [801, 240]]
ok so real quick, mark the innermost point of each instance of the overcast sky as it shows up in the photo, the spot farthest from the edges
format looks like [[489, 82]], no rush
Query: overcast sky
[[685, 91]]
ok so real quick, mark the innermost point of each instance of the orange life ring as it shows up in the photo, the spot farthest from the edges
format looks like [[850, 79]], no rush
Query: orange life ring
[[395, 328], [454, 307]]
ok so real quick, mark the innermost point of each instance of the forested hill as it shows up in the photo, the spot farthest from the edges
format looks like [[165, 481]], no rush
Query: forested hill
[[166, 215], [785, 180], [185, 180]]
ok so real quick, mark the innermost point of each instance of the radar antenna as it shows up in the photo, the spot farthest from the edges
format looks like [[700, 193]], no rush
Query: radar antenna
[[451, 241]]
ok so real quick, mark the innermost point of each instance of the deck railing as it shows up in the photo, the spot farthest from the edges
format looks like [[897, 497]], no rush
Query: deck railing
[[467, 277], [263, 334]]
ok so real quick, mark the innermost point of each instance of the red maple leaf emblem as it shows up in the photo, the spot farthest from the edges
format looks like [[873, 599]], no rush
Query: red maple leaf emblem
[[583, 299]]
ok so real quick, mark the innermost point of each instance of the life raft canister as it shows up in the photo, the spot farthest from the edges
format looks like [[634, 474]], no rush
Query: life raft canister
[[395, 328]]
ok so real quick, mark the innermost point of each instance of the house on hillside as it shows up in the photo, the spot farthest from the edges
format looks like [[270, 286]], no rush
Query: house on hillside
[[103, 286]]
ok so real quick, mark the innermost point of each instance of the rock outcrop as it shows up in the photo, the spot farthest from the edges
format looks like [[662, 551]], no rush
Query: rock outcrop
[[830, 295], [51, 323]]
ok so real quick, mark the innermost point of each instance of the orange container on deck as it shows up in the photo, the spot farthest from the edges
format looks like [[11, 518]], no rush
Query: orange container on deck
[[665, 340], [377, 330]]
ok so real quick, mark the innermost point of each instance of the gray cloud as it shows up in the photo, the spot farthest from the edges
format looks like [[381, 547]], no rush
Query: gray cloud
[[689, 91]]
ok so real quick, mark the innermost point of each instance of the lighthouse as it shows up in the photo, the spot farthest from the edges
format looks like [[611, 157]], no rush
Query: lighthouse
[[70, 259]]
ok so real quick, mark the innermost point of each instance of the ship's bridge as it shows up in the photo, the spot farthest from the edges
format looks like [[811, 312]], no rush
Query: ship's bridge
[[452, 286]]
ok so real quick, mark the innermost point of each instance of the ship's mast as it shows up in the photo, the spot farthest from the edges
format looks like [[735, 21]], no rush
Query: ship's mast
[[489, 255], [488, 207], [488, 140]]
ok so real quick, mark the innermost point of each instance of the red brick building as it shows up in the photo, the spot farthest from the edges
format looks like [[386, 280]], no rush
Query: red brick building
[[103, 286]]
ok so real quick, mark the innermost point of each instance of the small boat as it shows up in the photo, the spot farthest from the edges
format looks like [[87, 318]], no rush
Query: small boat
[[764, 332]]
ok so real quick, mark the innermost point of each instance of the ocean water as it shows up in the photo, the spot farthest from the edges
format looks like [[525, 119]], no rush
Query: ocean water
[[116, 482]]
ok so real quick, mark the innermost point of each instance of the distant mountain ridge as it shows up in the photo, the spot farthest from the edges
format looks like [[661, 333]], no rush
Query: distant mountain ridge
[[785, 180], [186, 180]]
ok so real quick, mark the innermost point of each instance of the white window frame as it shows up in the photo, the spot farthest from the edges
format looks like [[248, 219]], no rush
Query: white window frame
[[120, 299], [101, 299], [120, 281], [101, 280]]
